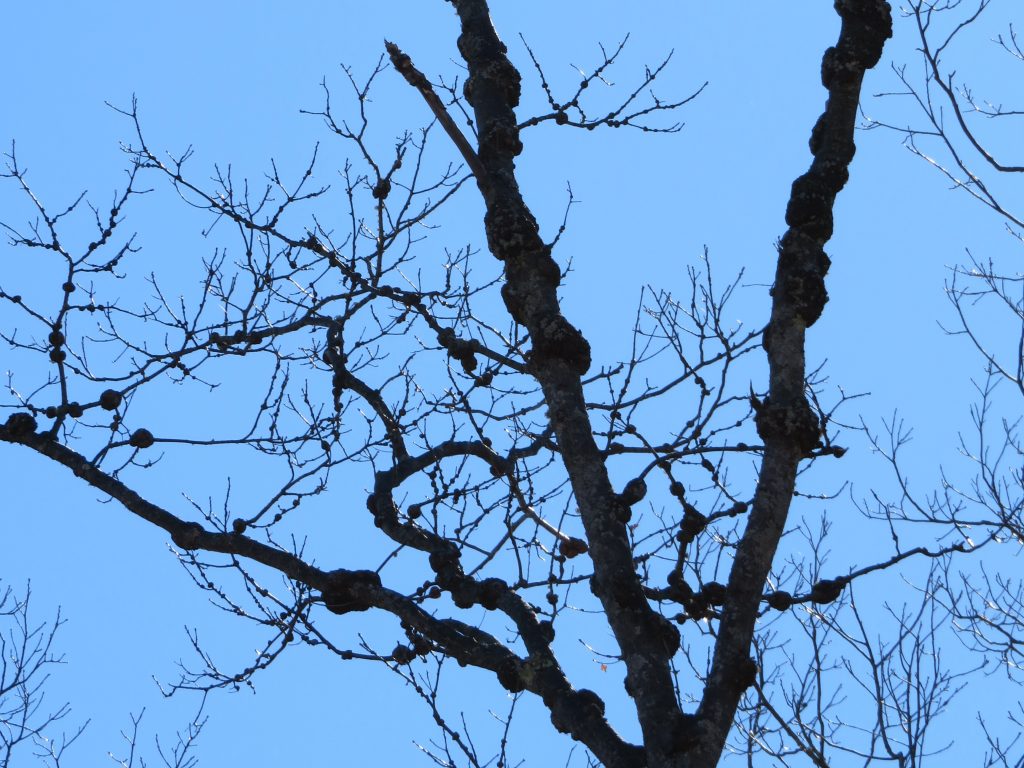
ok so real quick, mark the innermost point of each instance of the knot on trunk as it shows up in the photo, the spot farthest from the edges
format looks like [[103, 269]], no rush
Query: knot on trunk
[[794, 422], [512, 231], [560, 339]]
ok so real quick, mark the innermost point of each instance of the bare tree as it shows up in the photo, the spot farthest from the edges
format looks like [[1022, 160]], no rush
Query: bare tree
[[449, 417], [29, 726], [966, 133], [27, 655]]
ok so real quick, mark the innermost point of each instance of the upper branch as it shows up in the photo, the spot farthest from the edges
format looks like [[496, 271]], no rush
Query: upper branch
[[560, 355], [786, 422]]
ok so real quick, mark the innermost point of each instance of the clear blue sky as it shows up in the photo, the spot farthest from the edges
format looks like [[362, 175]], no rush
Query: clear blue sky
[[229, 79]]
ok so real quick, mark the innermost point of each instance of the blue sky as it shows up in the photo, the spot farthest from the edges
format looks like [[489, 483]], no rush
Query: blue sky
[[230, 80]]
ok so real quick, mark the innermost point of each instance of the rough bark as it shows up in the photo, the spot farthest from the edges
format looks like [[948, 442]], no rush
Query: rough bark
[[560, 356], [785, 421]]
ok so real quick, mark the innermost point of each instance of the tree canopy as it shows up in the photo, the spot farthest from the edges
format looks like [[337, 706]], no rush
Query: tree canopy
[[372, 404]]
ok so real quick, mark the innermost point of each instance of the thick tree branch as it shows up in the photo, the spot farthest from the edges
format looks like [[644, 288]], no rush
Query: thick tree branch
[[560, 356], [785, 421], [343, 591]]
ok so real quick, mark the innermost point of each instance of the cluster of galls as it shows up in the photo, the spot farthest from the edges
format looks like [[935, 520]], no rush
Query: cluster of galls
[[381, 189], [513, 233], [72, 409], [513, 236], [110, 400], [802, 282], [693, 522], [499, 74], [56, 339], [572, 547], [870, 25], [567, 707], [20, 425], [698, 605], [491, 75], [822, 592], [445, 564], [795, 422], [499, 139], [458, 349], [417, 646], [465, 591], [238, 337], [347, 591]]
